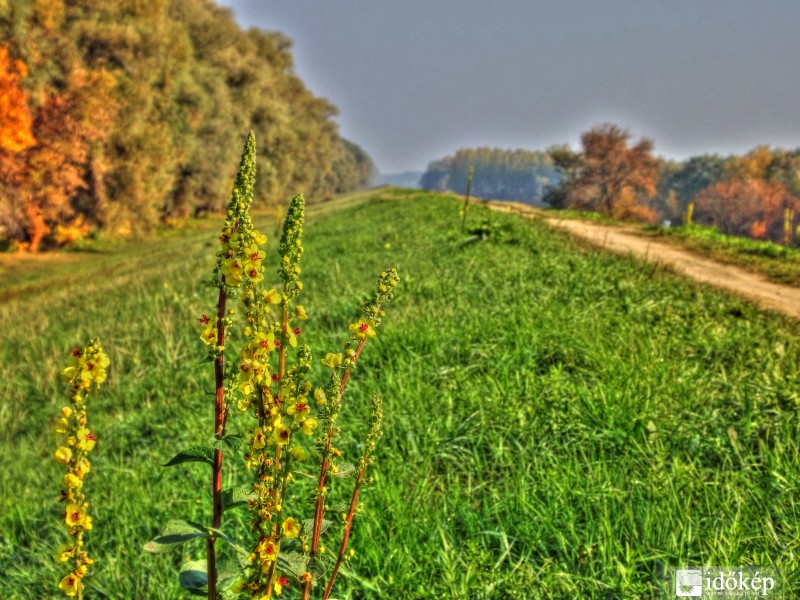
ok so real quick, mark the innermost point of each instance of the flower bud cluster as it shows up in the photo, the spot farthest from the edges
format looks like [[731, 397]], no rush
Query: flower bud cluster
[[291, 248], [240, 256], [86, 370]]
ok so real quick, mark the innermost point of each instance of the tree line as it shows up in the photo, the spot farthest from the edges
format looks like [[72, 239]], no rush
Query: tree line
[[121, 114], [754, 195], [519, 175]]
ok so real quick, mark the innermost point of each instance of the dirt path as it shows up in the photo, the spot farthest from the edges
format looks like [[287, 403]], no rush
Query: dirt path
[[772, 296]]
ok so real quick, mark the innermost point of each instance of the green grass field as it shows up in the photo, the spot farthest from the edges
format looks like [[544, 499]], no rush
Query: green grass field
[[562, 423]]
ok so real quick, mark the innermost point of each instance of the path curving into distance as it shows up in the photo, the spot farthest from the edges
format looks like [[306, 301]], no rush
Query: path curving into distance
[[781, 298]]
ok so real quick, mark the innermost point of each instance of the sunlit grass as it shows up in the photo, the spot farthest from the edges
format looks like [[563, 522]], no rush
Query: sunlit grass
[[560, 423]]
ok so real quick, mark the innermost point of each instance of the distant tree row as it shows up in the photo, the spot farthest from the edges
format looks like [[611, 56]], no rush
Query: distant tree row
[[519, 175], [122, 114], [753, 195]]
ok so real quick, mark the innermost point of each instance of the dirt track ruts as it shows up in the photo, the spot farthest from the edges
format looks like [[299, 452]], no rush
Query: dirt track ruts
[[751, 286]]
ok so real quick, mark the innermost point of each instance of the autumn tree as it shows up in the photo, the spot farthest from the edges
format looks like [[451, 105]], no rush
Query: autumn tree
[[16, 136], [614, 177], [746, 207], [178, 83]]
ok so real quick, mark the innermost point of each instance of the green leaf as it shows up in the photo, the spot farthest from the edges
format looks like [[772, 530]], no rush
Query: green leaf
[[194, 577], [225, 537], [195, 454], [230, 442], [337, 508], [344, 469], [308, 525], [317, 566], [174, 534], [236, 497], [293, 562]]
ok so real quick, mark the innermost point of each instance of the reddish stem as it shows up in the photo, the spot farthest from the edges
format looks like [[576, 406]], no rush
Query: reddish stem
[[348, 526], [319, 508], [219, 430]]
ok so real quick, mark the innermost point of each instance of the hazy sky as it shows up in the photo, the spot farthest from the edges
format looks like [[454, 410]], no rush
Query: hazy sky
[[417, 79]]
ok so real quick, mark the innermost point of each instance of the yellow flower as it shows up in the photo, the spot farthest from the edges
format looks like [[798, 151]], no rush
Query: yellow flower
[[258, 238], [94, 369], [228, 238], [363, 329], [320, 397], [299, 453], [280, 582], [82, 468], [66, 411], [70, 584], [232, 270], [76, 517], [209, 335], [281, 434], [254, 253], [263, 342], [268, 550], [258, 438], [333, 360], [63, 454], [291, 528], [62, 426], [254, 271], [299, 410], [86, 439], [72, 481], [300, 312], [246, 388], [64, 553], [309, 425], [272, 296]]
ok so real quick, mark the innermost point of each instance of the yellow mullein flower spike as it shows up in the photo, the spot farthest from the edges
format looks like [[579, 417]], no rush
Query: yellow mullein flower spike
[[87, 369]]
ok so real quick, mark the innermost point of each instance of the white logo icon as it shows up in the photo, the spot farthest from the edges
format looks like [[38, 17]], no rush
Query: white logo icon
[[689, 582]]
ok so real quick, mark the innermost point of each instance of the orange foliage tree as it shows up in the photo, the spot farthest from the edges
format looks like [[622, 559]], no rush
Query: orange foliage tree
[[67, 125], [748, 207], [16, 133], [16, 136], [614, 178]]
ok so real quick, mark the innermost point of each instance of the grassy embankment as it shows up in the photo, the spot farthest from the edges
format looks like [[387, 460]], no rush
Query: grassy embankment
[[561, 424]]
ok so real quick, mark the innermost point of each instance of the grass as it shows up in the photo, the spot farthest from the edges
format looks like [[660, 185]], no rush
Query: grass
[[561, 423]]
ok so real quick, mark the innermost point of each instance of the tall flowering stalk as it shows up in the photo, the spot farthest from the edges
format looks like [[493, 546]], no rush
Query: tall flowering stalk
[[86, 370], [329, 400], [269, 381], [238, 262], [278, 400]]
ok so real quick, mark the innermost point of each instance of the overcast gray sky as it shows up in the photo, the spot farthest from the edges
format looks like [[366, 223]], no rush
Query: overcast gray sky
[[417, 79]]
